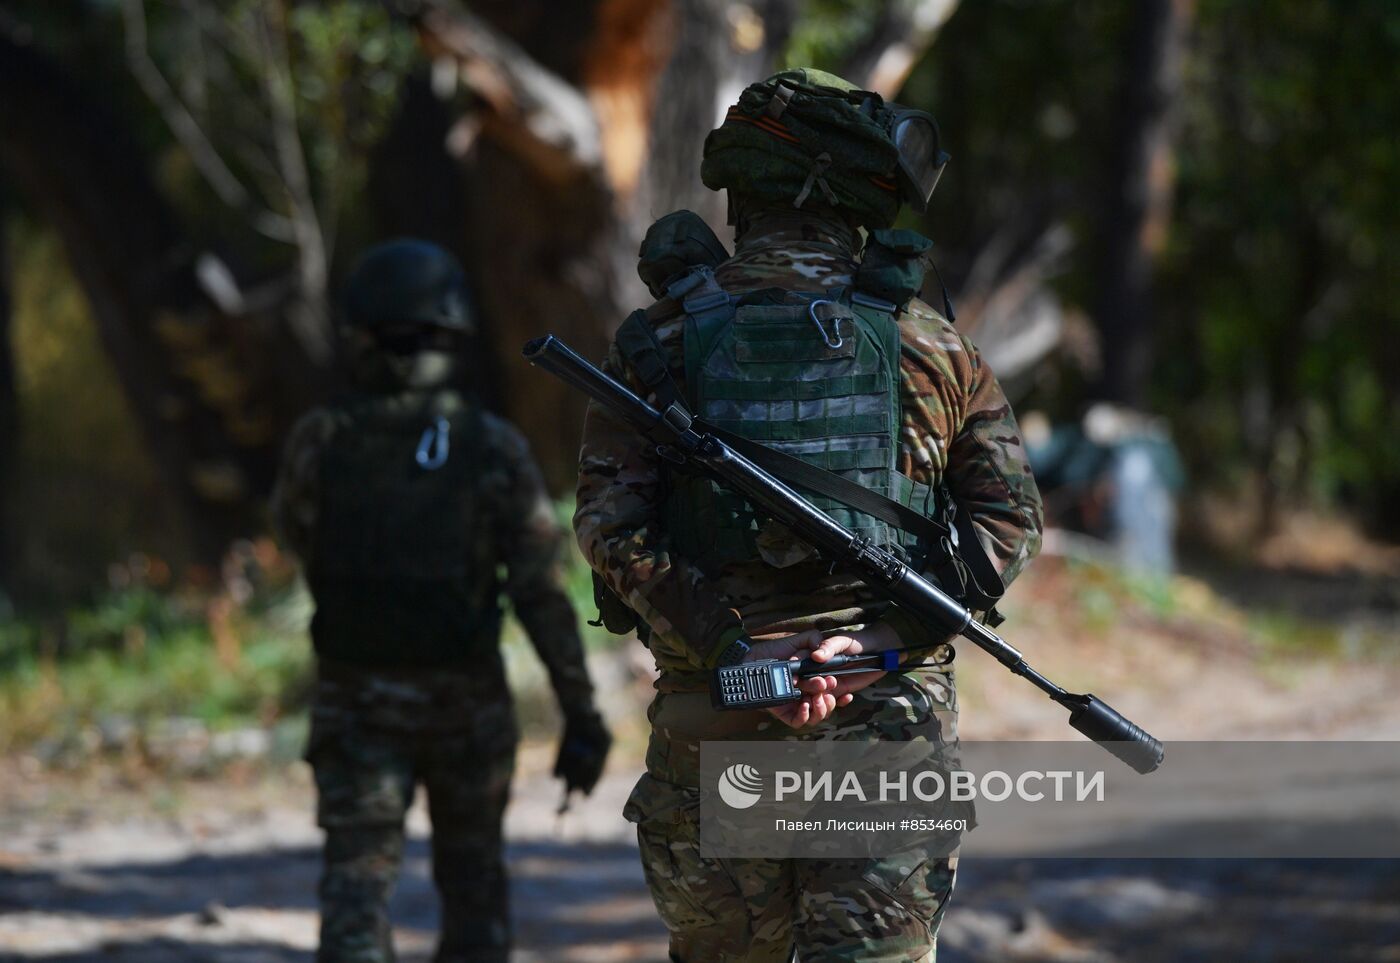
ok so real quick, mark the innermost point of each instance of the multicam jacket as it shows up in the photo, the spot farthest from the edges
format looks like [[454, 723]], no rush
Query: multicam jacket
[[957, 427], [518, 524]]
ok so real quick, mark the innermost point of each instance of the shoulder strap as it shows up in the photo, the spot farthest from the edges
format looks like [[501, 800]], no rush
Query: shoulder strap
[[708, 311], [636, 339], [950, 543], [795, 471], [705, 304]]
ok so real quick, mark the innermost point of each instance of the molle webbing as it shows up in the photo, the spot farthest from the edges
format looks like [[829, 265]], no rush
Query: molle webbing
[[812, 377], [943, 531]]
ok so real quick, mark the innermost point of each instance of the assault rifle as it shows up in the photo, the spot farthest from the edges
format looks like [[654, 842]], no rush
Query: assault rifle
[[674, 433]]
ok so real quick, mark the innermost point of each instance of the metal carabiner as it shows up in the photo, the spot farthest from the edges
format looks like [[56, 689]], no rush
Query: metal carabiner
[[835, 325], [433, 446]]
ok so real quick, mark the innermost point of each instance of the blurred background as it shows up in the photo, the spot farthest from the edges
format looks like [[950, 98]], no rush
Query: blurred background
[[1166, 224]]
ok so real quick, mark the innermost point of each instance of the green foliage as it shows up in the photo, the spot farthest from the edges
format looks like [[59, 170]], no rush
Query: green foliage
[[131, 663], [828, 31], [1287, 310], [349, 63], [79, 444], [336, 68], [1278, 312], [62, 366]]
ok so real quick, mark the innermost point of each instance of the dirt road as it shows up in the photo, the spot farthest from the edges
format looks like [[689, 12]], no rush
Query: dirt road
[[229, 877], [125, 866]]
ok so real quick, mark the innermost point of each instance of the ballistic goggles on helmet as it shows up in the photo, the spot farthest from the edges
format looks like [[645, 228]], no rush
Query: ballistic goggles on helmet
[[921, 157]]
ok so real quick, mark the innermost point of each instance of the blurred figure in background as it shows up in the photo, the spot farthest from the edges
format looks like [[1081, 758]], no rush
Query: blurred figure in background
[[1115, 476], [403, 499]]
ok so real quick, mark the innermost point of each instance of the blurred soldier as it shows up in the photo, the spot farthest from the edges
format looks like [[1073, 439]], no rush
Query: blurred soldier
[[809, 339], [404, 499], [1114, 475]]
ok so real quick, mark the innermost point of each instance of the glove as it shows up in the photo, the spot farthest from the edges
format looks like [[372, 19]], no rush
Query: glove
[[582, 751]]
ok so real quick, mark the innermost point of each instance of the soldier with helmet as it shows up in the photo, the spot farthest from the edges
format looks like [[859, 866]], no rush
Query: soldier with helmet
[[811, 339], [404, 499]]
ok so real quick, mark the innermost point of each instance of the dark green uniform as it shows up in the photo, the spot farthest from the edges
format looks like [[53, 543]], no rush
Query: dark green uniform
[[404, 502]]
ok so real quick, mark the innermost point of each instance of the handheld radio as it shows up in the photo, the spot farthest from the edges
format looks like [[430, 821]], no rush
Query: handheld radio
[[773, 682]]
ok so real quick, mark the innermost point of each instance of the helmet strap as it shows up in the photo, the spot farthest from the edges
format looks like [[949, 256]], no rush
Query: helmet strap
[[815, 176]]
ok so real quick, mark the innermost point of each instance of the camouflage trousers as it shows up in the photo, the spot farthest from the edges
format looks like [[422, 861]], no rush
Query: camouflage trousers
[[768, 910], [373, 740]]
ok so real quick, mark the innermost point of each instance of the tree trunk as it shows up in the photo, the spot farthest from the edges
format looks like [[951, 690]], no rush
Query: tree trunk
[[541, 256], [9, 413], [901, 33], [417, 189], [1138, 208], [717, 48], [552, 224], [212, 393]]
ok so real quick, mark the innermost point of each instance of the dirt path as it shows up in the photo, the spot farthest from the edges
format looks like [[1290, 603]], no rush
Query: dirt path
[[229, 877], [117, 867]]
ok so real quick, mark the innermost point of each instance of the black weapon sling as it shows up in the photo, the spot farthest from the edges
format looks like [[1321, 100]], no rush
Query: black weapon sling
[[955, 554]]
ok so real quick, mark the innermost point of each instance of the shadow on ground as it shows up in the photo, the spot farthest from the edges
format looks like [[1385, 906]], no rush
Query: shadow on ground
[[588, 902], [1175, 911], [566, 899], [170, 950]]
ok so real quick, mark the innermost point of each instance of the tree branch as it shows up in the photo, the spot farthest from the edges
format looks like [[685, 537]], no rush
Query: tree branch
[[902, 32], [1009, 306], [311, 318], [531, 111], [177, 117]]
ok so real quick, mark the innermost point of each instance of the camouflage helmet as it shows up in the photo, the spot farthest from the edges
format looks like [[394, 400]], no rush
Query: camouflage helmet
[[408, 281], [803, 133]]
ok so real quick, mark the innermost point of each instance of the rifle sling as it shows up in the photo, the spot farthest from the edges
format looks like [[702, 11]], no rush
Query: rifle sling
[[956, 555], [982, 585]]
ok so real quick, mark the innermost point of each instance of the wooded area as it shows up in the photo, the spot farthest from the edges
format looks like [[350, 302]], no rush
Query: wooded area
[[1183, 207], [1169, 226]]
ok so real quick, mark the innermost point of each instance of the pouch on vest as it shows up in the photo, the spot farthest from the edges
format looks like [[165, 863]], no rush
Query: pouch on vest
[[614, 614], [893, 266], [674, 244]]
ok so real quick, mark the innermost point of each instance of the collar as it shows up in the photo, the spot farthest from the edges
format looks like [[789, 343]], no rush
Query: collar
[[807, 230]]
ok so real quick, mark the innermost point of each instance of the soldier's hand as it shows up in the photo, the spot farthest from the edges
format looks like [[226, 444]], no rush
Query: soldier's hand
[[582, 751], [872, 638], [819, 697]]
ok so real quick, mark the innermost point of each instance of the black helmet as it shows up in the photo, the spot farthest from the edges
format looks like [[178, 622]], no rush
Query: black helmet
[[408, 281]]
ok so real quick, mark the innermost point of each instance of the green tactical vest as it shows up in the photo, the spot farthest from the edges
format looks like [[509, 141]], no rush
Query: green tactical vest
[[401, 567], [814, 375]]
